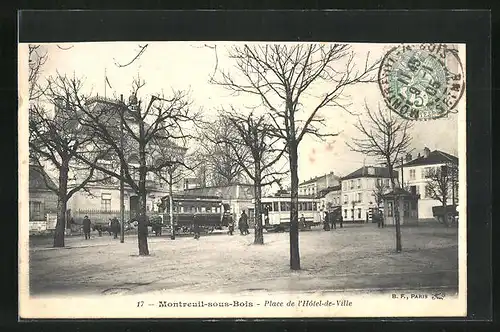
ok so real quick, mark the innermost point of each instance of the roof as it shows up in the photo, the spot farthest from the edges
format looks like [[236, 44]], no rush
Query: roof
[[329, 190], [36, 179], [380, 172], [317, 178], [399, 192], [435, 157]]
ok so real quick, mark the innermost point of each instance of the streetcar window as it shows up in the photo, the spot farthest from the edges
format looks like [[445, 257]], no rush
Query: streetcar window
[[309, 206], [209, 209], [315, 206], [203, 209], [282, 206], [276, 206]]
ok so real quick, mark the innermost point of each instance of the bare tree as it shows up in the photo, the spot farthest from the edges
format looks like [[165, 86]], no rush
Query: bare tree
[[256, 151], [37, 60], [295, 82], [219, 158], [441, 185], [160, 123], [379, 191], [385, 136], [54, 139]]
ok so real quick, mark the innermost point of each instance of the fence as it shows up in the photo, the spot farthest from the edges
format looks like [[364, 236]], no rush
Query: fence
[[97, 216]]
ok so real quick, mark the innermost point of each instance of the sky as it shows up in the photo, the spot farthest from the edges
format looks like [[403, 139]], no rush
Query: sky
[[167, 66]]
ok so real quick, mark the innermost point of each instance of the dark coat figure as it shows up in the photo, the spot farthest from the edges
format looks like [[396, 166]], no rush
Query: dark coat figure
[[86, 227], [380, 220], [302, 222], [230, 224], [115, 227], [341, 220], [196, 226], [326, 222], [244, 224]]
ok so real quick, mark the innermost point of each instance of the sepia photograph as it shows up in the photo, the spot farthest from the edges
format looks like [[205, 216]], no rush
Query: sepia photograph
[[192, 179]]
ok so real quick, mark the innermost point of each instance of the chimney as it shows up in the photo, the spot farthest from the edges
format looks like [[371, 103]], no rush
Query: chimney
[[408, 157], [426, 152]]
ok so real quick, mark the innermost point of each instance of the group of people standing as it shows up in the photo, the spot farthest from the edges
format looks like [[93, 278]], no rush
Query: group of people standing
[[242, 224], [332, 219], [113, 227]]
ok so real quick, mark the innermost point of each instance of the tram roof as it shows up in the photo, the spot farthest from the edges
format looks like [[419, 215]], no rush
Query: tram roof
[[193, 197], [287, 197]]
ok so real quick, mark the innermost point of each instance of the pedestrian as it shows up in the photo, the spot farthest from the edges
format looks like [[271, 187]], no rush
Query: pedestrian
[[196, 226], [244, 222], [230, 224], [302, 221], [86, 227], [341, 221], [326, 222], [115, 227]]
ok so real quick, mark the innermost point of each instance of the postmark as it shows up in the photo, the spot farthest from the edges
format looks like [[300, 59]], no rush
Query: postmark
[[422, 82]]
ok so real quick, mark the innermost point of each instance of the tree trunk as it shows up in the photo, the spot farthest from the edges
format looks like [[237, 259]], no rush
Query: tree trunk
[[445, 212], [294, 213], [171, 204], [142, 231], [259, 232], [62, 202], [397, 217]]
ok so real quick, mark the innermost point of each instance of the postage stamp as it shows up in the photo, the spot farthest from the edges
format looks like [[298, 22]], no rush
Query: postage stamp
[[422, 82]]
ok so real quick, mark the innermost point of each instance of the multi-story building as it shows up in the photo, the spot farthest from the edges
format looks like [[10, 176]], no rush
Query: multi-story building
[[415, 178], [359, 191], [330, 198], [101, 200], [313, 186]]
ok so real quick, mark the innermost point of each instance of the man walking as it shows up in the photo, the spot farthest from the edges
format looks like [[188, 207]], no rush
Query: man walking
[[230, 223], [196, 226], [244, 223], [115, 227], [86, 227]]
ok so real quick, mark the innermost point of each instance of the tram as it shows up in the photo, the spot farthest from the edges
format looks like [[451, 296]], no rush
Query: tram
[[209, 209], [276, 215]]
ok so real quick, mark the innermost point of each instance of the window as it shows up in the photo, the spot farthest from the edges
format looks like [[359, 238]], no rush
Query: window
[[285, 206], [379, 182], [309, 206], [344, 185], [36, 213], [413, 205], [386, 182], [426, 171], [351, 184], [315, 206], [346, 199], [359, 213], [360, 197], [406, 209], [359, 183], [345, 213], [428, 191], [276, 206], [412, 174], [389, 209], [106, 202], [413, 190]]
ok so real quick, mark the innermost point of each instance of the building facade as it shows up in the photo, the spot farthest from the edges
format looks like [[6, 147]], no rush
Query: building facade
[[101, 200], [415, 179], [330, 198], [359, 191], [313, 186]]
